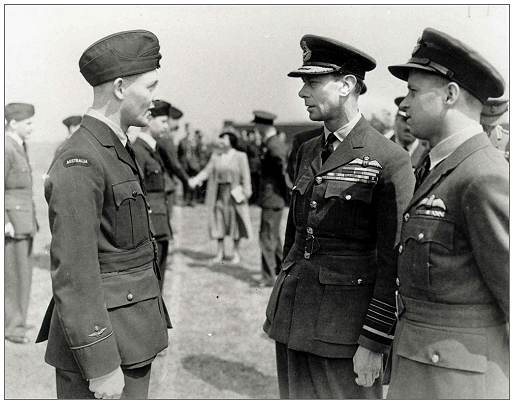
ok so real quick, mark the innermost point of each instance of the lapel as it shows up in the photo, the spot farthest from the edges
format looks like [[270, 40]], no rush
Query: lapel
[[108, 138], [17, 146], [154, 153], [469, 147], [347, 150]]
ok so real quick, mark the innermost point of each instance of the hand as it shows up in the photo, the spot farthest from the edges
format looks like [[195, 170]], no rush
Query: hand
[[367, 365], [109, 386], [9, 230], [192, 183]]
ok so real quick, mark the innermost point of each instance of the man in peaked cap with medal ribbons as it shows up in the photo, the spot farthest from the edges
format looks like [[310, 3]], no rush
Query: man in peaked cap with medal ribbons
[[107, 320], [451, 340], [331, 311]]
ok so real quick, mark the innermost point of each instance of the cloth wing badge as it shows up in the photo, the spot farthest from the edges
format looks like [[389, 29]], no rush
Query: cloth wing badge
[[431, 206]]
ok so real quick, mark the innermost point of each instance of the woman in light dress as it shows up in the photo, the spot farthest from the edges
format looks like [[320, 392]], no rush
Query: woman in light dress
[[228, 189]]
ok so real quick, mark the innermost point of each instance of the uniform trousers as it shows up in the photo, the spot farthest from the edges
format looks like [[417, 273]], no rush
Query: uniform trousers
[[303, 375], [270, 243], [162, 259], [17, 283], [71, 385]]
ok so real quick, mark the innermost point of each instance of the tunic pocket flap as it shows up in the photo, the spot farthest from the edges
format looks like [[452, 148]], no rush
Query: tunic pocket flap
[[129, 287], [349, 191], [125, 190], [447, 348], [327, 277], [425, 230], [302, 184]]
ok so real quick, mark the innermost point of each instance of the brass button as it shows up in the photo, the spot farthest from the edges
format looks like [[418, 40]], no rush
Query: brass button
[[400, 249], [149, 210], [309, 230], [347, 197], [406, 217], [435, 358], [359, 281], [313, 204], [97, 328], [420, 236], [318, 180], [134, 193], [306, 255], [130, 296], [398, 282]]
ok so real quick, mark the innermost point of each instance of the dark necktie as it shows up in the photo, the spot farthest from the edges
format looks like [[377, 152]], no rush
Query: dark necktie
[[130, 151], [422, 171], [328, 147]]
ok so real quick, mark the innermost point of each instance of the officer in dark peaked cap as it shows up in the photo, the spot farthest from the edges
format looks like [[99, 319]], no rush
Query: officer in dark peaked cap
[[331, 311], [495, 112], [20, 220], [451, 340], [107, 320], [272, 195]]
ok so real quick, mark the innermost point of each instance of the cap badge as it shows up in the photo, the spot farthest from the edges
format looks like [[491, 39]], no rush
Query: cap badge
[[307, 53], [418, 45]]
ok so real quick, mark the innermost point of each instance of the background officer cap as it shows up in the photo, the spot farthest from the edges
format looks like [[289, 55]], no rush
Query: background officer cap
[[73, 120], [160, 108], [441, 54], [398, 101], [263, 117], [493, 110], [119, 55], [18, 111], [325, 55], [175, 113]]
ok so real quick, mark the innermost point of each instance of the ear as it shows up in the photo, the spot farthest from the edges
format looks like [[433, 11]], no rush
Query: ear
[[117, 88], [452, 93], [348, 84]]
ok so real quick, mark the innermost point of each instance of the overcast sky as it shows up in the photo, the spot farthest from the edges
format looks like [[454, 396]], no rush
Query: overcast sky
[[222, 62]]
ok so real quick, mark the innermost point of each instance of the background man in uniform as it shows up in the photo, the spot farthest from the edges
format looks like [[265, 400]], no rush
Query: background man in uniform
[[416, 148], [495, 112], [331, 311], [20, 220], [451, 341], [154, 172], [168, 152], [106, 321], [272, 194]]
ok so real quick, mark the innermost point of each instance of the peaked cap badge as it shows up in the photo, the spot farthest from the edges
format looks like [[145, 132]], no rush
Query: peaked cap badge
[[307, 53]]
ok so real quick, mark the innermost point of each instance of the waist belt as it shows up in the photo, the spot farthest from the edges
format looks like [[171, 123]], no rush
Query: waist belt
[[312, 244], [452, 315], [124, 260]]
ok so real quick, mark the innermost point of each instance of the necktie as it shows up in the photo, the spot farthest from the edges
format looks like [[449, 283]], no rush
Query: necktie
[[328, 147], [130, 151], [422, 171]]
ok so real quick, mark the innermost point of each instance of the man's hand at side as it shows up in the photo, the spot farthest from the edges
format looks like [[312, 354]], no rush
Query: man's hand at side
[[367, 365], [109, 386]]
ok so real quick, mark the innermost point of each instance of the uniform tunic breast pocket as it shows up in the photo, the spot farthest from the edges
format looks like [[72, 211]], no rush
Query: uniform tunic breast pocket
[[349, 204], [154, 178], [423, 260], [131, 221]]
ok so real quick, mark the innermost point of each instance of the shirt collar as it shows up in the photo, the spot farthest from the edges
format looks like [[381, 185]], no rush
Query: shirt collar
[[344, 130], [146, 137], [412, 146], [272, 132], [447, 146], [114, 127], [14, 136]]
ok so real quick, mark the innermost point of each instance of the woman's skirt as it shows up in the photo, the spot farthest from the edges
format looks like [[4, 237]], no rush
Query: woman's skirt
[[226, 219]]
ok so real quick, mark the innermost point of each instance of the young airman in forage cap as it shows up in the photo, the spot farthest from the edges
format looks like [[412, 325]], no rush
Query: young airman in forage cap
[[451, 340], [20, 220], [331, 311], [107, 320]]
